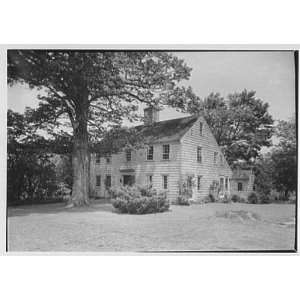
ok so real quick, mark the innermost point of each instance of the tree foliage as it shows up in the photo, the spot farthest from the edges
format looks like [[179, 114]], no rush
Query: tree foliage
[[241, 123], [284, 157], [31, 176]]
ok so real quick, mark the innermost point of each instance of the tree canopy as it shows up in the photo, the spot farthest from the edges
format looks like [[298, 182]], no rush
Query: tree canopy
[[240, 123]]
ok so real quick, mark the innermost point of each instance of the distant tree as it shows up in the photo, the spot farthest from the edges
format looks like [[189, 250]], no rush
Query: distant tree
[[93, 90], [241, 124], [284, 157]]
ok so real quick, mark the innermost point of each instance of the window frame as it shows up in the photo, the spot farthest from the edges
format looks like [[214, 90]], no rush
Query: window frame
[[166, 146]]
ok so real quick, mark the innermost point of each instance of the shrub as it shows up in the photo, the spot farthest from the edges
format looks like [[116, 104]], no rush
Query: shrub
[[182, 200], [253, 198], [237, 198], [265, 199], [139, 200]]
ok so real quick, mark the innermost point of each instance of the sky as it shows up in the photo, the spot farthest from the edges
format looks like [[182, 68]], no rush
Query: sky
[[270, 74]]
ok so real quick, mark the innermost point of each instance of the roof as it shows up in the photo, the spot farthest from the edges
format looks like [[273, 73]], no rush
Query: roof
[[169, 130]]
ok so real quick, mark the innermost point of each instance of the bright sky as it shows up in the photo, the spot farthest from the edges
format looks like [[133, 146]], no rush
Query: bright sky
[[270, 74]]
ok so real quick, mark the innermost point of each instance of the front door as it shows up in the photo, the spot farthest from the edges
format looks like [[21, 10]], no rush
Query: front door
[[128, 179]]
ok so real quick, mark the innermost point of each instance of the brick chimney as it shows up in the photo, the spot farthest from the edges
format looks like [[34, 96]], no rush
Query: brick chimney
[[151, 115]]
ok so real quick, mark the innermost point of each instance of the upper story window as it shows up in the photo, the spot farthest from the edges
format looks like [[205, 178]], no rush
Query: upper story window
[[221, 160], [166, 152], [215, 157], [108, 159], [150, 153], [128, 155], [199, 154], [201, 128], [98, 157]]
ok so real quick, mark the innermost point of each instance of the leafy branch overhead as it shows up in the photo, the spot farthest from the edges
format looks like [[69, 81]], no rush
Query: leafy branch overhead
[[108, 86]]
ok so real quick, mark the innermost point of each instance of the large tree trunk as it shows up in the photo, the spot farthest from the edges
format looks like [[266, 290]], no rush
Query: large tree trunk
[[80, 162]]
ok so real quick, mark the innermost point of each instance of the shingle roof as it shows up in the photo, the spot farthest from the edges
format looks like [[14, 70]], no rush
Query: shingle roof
[[169, 130]]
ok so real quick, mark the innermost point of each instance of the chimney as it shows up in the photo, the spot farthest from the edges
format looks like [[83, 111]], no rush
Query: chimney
[[151, 115]]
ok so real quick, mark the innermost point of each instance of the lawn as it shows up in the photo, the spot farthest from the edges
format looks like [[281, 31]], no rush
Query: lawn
[[205, 227]]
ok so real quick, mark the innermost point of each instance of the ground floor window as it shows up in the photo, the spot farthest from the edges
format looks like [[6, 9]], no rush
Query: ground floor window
[[108, 182], [222, 183], [150, 180], [199, 183], [226, 184], [240, 186], [98, 180], [165, 181]]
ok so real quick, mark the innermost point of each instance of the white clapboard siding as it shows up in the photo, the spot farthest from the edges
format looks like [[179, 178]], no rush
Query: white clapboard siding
[[207, 169]]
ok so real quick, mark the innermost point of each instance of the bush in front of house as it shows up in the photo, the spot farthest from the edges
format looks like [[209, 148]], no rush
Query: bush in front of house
[[139, 200], [183, 200], [237, 198], [253, 198]]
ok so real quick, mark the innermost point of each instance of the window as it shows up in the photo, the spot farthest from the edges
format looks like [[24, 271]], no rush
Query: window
[[199, 154], [166, 152], [98, 158], [221, 160], [222, 183], [150, 153], [215, 157], [108, 181], [98, 180], [165, 182], [240, 186], [149, 180], [201, 128], [128, 155], [199, 183], [226, 184], [192, 131], [108, 159]]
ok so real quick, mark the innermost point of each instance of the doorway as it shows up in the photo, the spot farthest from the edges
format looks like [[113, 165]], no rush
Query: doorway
[[128, 180]]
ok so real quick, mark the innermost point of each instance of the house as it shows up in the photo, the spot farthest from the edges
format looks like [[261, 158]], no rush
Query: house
[[242, 181], [177, 150]]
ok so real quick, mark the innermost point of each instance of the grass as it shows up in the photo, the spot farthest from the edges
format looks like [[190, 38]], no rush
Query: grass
[[206, 227]]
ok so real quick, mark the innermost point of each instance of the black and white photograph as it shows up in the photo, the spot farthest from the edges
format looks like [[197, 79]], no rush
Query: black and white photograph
[[150, 151]]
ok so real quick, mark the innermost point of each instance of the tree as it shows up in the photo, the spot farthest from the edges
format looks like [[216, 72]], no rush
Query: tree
[[31, 174], [284, 157], [241, 123], [90, 91]]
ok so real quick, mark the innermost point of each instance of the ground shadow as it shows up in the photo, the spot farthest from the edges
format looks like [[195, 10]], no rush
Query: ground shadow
[[56, 208]]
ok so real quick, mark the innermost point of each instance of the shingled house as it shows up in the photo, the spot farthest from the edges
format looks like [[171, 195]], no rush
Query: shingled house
[[176, 150]]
